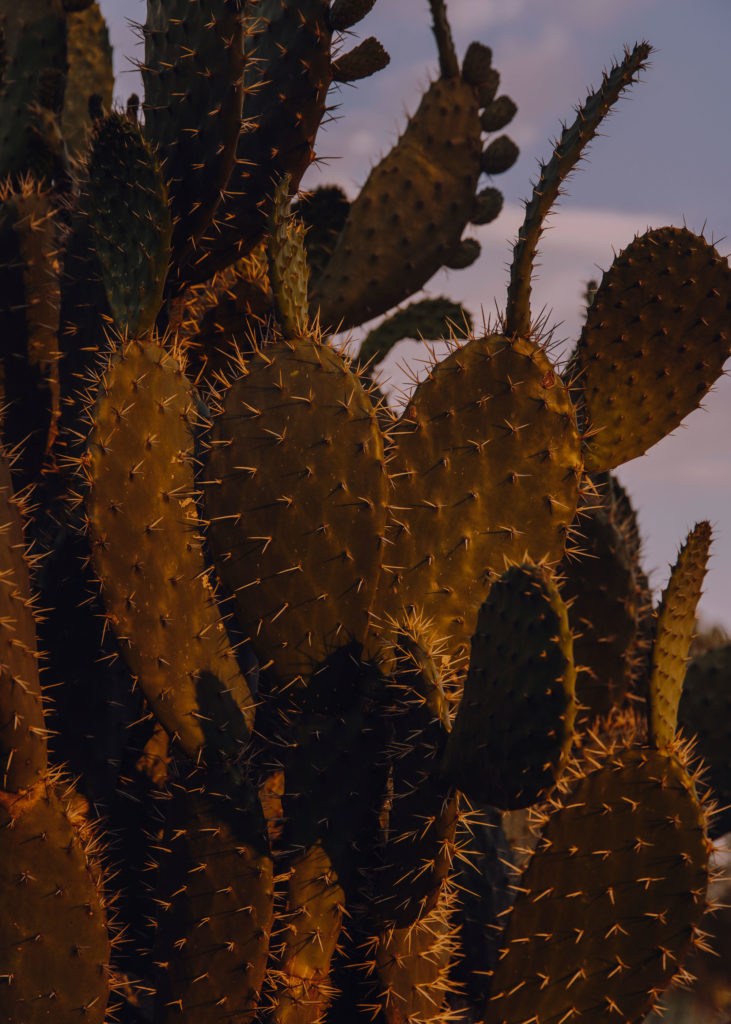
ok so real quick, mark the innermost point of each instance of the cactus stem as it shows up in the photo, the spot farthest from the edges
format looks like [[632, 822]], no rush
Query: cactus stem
[[448, 63], [566, 155]]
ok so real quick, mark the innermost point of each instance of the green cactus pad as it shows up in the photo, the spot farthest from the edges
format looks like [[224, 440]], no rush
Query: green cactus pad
[[90, 72], [216, 896], [276, 470], [705, 713], [146, 542], [521, 658], [609, 903], [676, 618], [23, 754], [390, 247], [193, 76], [430, 319], [286, 79], [288, 270], [54, 945], [127, 206], [659, 317], [601, 589], [485, 473]]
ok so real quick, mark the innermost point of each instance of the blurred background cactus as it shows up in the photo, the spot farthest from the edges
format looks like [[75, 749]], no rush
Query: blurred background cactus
[[311, 710]]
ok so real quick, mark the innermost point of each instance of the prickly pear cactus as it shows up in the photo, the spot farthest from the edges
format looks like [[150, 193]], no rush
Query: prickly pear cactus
[[314, 665]]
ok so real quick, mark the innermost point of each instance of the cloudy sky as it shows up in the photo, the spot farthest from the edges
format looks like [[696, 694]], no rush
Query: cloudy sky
[[663, 159]]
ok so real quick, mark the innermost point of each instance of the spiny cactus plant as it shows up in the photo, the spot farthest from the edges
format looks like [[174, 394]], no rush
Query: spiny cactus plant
[[276, 664]]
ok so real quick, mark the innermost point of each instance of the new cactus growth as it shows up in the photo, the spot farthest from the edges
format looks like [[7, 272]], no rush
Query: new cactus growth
[[303, 654]]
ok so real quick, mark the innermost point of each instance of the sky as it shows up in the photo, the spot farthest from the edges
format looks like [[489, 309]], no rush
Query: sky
[[663, 159]]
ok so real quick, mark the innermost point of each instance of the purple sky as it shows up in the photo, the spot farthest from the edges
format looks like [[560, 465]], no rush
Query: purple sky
[[664, 159]]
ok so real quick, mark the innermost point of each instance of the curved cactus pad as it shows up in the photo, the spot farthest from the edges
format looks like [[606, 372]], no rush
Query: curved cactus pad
[[676, 619], [655, 340], [486, 473], [54, 947], [146, 543], [315, 482], [609, 902], [521, 659]]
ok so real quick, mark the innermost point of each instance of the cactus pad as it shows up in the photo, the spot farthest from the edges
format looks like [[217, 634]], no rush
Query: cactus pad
[[428, 319], [485, 473], [30, 302], [276, 470], [217, 904], [31, 89], [412, 968], [609, 903], [314, 919], [674, 629], [193, 75], [147, 551], [389, 247], [54, 947], [286, 78], [659, 316], [288, 270], [417, 855], [128, 211], [521, 658]]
